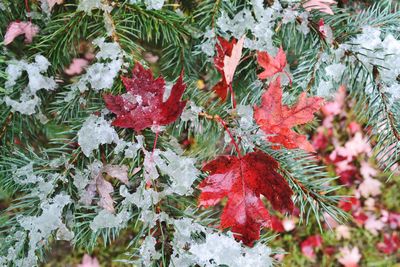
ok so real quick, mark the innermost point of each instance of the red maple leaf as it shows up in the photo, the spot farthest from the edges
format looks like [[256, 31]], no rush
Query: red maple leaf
[[226, 61], [309, 245], [142, 106], [270, 64], [390, 244], [242, 181], [276, 119]]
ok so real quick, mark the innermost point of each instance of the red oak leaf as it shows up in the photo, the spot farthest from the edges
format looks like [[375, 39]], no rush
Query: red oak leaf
[[271, 65], [321, 5], [276, 119], [242, 181], [226, 61], [142, 106]]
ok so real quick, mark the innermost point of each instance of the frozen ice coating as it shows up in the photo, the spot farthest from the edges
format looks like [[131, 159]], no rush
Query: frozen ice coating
[[41, 227], [106, 219], [180, 170], [88, 6], [148, 251], [154, 4], [144, 198], [101, 74], [216, 249], [107, 50], [96, 131], [261, 26], [335, 71], [26, 175], [36, 71], [245, 113], [191, 133]]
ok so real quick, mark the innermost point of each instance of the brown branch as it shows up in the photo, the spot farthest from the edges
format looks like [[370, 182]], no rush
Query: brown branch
[[5, 125]]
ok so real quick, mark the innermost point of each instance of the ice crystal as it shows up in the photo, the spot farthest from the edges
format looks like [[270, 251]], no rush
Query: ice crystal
[[154, 4], [180, 170], [373, 51], [191, 114], [41, 227], [261, 26], [246, 116], [190, 248], [148, 251], [36, 71], [96, 131], [335, 71], [106, 219], [101, 74], [88, 6]]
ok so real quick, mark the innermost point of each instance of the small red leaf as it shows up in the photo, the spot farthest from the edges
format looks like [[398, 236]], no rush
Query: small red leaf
[[142, 106], [242, 181], [390, 244], [271, 65], [276, 119], [226, 62], [309, 245]]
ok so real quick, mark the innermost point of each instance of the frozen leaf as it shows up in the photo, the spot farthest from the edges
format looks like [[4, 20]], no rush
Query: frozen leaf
[[118, 172], [17, 28], [276, 119], [242, 181], [270, 64], [321, 5], [104, 187], [142, 106]]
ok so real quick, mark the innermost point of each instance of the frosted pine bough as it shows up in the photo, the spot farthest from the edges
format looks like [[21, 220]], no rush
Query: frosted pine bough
[[63, 185]]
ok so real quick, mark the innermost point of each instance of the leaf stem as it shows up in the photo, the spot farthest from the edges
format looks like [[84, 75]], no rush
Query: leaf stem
[[155, 143], [232, 96], [28, 10], [224, 124]]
